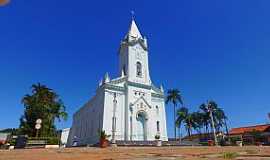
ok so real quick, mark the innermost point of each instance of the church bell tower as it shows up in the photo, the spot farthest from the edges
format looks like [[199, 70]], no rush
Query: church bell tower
[[133, 56]]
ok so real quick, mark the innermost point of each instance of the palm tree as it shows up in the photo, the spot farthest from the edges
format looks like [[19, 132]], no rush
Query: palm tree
[[219, 117], [45, 104], [174, 96], [183, 116], [190, 123], [206, 116], [199, 120]]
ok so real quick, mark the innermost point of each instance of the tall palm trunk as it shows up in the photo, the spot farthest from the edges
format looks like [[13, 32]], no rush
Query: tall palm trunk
[[174, 121], [189, 131], [226, 126], [179, 132]]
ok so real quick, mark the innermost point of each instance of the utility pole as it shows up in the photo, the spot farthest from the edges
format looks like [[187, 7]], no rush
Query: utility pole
[[210, 110]]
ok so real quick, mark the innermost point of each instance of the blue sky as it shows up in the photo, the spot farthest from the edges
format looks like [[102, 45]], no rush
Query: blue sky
[[208, 49]]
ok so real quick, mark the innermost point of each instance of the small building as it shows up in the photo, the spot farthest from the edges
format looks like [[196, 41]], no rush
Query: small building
[[252, 134]]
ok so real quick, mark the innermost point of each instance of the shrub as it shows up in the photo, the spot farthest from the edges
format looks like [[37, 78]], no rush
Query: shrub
[[53, 141], [12, 142], [235, 139], [229, 155], [103, 135], [48, 140]]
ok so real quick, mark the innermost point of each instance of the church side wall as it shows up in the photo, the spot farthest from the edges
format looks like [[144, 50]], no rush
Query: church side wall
[[88, 121], [119, 114]]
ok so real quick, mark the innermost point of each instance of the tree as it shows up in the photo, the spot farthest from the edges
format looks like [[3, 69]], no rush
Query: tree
[[174, 96], [183, 116], [45, 104], [220, 119], [12, 131], [199, 121]]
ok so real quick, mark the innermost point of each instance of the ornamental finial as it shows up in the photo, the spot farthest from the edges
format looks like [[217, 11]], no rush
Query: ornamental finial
[[132, 14]]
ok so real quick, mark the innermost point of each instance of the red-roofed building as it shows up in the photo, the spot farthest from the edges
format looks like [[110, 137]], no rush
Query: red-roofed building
[[252, 134]]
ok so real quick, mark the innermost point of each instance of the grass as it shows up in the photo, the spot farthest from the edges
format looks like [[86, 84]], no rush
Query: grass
[[229, 155], [251, 151]]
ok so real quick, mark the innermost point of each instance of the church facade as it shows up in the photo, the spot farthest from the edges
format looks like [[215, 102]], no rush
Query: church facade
[[130, 107]]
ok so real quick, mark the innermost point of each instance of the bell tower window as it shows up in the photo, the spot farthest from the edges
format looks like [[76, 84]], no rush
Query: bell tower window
[[139, 69]]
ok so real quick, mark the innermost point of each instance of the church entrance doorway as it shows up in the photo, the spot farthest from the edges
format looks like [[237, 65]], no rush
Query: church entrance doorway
[[142, 126]]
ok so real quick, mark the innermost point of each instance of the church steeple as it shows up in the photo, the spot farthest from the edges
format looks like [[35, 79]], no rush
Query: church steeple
[[133, 30], [133, 56]]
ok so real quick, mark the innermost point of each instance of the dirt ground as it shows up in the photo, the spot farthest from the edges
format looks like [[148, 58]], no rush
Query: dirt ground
[[139, 153]]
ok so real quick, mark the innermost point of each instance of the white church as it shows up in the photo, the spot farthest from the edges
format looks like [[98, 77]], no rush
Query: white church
[[128, 108]]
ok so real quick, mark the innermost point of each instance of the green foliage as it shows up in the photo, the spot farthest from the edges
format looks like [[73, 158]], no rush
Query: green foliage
[[229, 155], [12, 131], [45, 104], [257, 135], [235, 139], [48, 140], [103, 135], [174, 96], [201, 119], [218, 115], [183, 116], [12, 142], [53, 141]]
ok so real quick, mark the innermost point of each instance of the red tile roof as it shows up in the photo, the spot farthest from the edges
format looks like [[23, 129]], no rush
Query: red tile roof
[[242, 130]]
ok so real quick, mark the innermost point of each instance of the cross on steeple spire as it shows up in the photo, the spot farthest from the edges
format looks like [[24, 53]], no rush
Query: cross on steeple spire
[[132, 15]]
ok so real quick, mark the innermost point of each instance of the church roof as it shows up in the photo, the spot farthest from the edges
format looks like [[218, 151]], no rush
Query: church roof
[[133, 30]]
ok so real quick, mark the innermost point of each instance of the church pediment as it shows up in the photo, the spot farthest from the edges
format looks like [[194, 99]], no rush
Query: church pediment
[[141, 104]]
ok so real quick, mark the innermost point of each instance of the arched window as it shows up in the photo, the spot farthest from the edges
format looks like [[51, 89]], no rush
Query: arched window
[[139, 69]]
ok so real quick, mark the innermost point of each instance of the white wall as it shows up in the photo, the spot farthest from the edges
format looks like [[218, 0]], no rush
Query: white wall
[[88, 121], [64, 136], [120, 114]]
